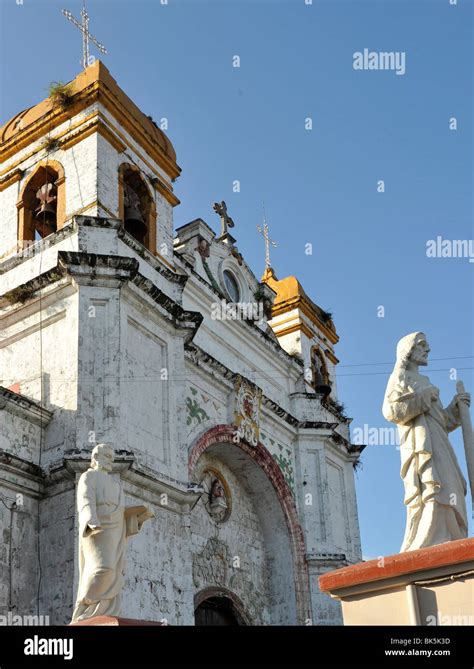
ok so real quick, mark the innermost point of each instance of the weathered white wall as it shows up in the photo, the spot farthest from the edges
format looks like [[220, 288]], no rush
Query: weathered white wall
[[114, 370]]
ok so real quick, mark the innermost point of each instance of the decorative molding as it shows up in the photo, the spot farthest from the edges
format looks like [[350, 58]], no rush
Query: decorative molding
[[98, 269], [77, 461], [329, 354], [164, 190], [11, 178], [316, 425], [22, 406], [107, 133], [21, 255], [20, 475], [181, 318], [323, 560], [300, 326], [25, 291]]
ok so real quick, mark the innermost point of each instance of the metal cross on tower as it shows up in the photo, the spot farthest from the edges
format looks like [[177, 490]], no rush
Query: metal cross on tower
[[86, 36], [264, 231]]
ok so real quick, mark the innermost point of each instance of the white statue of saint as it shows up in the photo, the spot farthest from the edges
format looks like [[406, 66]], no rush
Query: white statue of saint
[[105, 523], [435, 488]]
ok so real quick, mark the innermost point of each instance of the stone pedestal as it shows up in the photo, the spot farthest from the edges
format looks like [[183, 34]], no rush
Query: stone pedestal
[[114, 621], [430, 586]]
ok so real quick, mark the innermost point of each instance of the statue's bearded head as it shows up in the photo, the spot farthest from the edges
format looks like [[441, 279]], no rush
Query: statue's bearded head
[[413, 348], [102, 457]]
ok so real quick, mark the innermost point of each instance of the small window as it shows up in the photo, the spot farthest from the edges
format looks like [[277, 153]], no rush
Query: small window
[[231, 286]]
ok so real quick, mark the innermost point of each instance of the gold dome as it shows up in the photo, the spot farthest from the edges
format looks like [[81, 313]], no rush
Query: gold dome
[[290, 295], [93, 83]]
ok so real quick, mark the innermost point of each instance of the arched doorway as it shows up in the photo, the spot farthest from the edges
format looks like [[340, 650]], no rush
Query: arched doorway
[[218, 607], [215, 611], [280, 534]]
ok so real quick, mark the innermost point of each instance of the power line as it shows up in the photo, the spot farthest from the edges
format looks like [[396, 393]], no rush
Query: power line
[[248, 373], [392, 362], [445, 369]]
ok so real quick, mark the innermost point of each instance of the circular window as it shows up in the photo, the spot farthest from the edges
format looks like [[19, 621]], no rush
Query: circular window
[[231, 286]]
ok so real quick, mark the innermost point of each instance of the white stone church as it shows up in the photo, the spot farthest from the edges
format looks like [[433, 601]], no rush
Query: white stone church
[[116, 328]]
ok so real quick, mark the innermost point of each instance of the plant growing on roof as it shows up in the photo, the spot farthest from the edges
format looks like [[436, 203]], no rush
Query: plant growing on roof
[[336, 406], [326, 316], [60, 94], [50, 144]]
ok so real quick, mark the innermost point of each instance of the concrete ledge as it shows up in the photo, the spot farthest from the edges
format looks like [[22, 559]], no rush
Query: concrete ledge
[[22, 406], [115, 621], [430, 586], [449, 554]]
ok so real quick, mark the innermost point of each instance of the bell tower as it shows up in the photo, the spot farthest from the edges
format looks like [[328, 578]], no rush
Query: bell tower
[[90, 312], [86, 150]]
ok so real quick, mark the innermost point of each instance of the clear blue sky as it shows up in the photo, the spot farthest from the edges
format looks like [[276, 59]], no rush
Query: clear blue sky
[[319, 186]]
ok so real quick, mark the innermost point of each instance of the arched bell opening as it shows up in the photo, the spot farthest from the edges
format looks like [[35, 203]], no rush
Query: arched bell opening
[[41, 205], [136, 206], [320, 381]]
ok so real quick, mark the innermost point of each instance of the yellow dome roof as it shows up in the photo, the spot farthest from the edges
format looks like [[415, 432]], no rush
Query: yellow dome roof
[[95, 81], [290, 295]]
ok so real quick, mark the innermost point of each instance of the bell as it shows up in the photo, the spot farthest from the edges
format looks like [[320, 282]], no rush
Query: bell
[[45, 214], [323, 389], [319, 381], [133, 218]]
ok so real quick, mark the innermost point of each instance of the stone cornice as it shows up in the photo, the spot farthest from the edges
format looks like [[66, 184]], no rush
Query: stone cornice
[[316, 425], [21, 475], [106, 270], [90, 268], [77, 461], [37, 247], [156, 261], [326, 558], [22, 406], [193, 228], [20, 464], [159, 263], [181, 318], [98, 269], [205, 360], [11, 178], [27, 290]]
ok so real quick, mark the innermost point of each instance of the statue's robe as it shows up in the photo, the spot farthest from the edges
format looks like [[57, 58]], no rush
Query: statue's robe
[[100, 501], [435, 488]]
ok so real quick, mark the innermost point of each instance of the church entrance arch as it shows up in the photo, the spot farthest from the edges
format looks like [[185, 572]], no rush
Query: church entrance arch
[[218, 607], [273, 502]]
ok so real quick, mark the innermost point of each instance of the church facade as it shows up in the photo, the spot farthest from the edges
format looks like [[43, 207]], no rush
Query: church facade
[[216, 389]]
